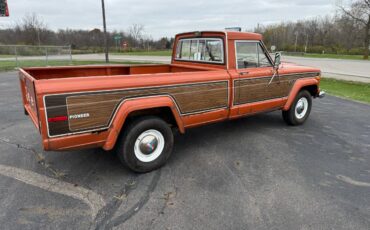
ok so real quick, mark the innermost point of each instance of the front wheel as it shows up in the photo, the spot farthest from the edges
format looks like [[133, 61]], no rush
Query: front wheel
[[300, 109], [146, 144]]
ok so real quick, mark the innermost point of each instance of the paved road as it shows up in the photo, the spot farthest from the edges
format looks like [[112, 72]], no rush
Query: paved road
[[355, 70], [253, 173]]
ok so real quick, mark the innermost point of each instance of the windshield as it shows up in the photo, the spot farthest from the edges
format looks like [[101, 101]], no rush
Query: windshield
[[201, 50]]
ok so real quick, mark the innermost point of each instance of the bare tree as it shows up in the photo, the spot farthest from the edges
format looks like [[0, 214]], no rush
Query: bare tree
[[136, 32], [34, 27], [335, 35], [360, 11]]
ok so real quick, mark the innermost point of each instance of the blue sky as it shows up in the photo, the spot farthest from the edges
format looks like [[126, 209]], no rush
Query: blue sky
[[167, 17]]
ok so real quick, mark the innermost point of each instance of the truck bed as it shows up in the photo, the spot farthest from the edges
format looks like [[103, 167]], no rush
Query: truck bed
[[91, 71]]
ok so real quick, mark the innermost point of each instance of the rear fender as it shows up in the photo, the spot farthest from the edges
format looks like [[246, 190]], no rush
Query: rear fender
[[298, 85], [132, 105]]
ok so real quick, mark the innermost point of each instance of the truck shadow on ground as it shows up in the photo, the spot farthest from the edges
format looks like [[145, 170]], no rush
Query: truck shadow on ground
[[225, 132]]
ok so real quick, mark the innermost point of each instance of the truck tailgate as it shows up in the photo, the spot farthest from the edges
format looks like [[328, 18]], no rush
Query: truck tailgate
[[27, 83]]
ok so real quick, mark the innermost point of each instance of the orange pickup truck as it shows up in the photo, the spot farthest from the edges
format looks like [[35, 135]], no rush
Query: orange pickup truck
[[214, 76]]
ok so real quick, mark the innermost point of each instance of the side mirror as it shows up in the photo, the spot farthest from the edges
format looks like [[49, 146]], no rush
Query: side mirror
[[277, 60]]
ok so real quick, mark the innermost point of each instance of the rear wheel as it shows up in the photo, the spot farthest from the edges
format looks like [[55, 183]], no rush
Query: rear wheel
[[146, 144], [300, 109]]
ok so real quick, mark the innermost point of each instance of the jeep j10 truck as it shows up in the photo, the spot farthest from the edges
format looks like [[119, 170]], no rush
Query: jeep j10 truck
[[213, 76]]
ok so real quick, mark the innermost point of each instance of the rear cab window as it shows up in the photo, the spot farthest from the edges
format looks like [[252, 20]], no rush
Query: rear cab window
[[207, 50], [251, 54]]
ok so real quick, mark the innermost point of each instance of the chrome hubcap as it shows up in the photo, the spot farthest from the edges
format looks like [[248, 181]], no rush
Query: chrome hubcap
[[301, 108], [149, 145]]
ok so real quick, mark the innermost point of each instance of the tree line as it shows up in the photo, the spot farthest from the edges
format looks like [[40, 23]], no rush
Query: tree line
[[345, 33], [31, 30]]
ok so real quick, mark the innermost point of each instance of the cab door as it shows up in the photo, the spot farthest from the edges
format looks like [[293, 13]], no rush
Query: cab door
[[255, 89]]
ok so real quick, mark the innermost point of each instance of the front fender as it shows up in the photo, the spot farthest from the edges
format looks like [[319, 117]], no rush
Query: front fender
[[298, 85], [137, 104]]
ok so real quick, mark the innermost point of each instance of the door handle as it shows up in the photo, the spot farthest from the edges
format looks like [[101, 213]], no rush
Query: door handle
[[244, 73]]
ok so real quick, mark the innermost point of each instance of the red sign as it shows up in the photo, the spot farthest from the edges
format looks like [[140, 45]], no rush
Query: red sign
[[4, 11]]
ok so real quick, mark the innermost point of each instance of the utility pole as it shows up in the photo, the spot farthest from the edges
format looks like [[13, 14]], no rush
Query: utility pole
[[105, 33], [38, 36], [296, 40], [305, 48]]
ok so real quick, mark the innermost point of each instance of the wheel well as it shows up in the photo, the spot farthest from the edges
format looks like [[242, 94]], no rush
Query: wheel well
[[313, 89], [164, 113]]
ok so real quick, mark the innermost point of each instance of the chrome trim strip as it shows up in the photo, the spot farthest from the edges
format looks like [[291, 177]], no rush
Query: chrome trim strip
[[134, 88], [281, 75]]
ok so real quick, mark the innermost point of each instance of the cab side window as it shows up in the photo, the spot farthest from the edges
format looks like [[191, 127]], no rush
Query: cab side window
[[251, 55]]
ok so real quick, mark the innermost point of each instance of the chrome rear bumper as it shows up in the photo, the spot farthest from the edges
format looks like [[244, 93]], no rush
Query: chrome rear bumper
[[322, 94]]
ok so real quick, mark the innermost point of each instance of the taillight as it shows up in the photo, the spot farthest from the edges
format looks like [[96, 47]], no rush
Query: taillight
[[57, 119]]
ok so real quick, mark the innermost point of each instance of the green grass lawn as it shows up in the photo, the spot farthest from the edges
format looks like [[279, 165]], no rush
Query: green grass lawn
[[146, 53], [11, 65], [334, 56], [6, 56], [346, 89]]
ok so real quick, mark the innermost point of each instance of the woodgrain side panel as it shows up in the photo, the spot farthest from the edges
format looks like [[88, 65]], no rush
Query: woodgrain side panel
[[101, 106], [251, 90]]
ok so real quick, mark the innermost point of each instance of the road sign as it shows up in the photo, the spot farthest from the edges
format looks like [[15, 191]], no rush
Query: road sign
[[124, 45], [117, 37], [4, 11]]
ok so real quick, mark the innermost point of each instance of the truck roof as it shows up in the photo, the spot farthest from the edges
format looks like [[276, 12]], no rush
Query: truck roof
[[232, 35]]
